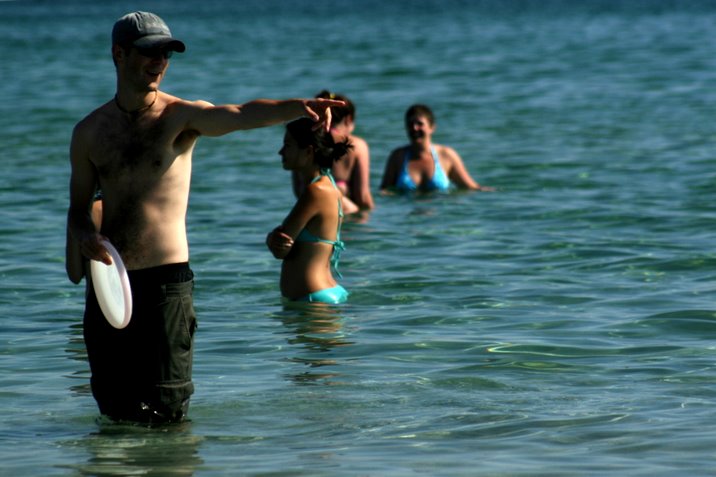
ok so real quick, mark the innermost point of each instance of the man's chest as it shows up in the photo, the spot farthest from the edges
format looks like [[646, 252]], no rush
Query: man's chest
[[130, 148]]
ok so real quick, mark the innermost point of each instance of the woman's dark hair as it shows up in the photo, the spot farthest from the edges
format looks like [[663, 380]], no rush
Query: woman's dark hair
[[325, 150], [339, 112], [420, 110]]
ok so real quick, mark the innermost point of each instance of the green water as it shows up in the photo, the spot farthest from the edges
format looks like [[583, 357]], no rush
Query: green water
[[563, 325]]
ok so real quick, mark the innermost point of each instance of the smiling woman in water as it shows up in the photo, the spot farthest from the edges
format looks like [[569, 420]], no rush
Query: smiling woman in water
[[423, 165]]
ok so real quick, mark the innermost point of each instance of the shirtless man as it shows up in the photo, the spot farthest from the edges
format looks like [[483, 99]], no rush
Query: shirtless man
[[137, 149]]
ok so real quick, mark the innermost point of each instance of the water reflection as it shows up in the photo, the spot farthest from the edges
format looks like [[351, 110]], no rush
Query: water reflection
[[119, 449], [317, 328], [76, 351]]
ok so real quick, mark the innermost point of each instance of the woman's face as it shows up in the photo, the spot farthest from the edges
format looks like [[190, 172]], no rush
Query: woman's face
[[293, 156], [419, 128]]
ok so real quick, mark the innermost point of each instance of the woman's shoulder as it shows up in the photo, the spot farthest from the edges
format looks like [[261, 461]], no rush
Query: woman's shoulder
[[446, 153], [358, 147], [321, 188], [399, 152], [357, 141], [442, 149]]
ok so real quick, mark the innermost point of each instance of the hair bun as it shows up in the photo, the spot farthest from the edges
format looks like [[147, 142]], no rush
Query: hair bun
[[341, 149]]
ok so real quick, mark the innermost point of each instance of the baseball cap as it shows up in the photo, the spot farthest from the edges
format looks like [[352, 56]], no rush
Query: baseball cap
[[144, 30]]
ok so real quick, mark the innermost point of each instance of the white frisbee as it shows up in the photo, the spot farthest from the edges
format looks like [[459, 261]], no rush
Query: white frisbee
[[111, 285]]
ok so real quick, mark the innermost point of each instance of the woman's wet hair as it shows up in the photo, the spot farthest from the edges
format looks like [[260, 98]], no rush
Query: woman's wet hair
[[339, 112], [420, 110], [325, 150]]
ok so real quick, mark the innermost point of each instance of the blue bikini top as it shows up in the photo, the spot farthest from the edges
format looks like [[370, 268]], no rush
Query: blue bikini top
[[439, 181], [338, 245]]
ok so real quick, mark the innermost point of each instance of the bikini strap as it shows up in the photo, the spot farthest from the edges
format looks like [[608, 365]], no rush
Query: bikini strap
[[338, 244], [436, 160]]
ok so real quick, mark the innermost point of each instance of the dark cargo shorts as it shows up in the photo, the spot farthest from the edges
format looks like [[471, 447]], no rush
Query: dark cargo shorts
[[143, 372]]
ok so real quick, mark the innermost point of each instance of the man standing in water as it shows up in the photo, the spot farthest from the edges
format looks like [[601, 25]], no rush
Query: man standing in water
[[137, 149]]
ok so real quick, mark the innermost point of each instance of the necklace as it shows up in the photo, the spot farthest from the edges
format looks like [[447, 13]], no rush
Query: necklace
[[139, 111]]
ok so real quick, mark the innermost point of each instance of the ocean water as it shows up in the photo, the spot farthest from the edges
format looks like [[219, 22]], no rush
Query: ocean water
[[563, 325]]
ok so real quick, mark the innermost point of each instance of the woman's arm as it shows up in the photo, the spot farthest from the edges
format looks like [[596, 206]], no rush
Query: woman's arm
[[360, 176], [390, 174], [457, 172], [281, 239], [279, 243]]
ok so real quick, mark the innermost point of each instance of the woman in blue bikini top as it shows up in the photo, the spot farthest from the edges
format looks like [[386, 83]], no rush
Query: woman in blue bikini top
[[308, 241], [422, 165], [437, 182]]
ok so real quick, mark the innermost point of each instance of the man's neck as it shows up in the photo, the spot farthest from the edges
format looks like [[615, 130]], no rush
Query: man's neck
[[137, 104]]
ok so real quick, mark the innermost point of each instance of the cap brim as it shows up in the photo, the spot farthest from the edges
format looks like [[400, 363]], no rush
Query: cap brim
[[152, 41]]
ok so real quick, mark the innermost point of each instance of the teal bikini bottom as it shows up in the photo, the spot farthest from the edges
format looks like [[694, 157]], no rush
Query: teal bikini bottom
[[334, 295]]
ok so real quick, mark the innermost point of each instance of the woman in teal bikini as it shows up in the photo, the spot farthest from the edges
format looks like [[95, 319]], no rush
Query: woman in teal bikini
[[309, 239], [423, 165]]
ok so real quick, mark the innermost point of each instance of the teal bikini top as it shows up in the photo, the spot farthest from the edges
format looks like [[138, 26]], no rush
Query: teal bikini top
[[338, 245]]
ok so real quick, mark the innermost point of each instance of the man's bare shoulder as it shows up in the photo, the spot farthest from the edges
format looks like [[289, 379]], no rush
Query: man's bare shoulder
[[166, 100], [182, 113], [91, 120], [181, 104]]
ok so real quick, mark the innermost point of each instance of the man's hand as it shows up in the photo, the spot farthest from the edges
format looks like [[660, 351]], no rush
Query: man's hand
[[92, 248], [319, 110]]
